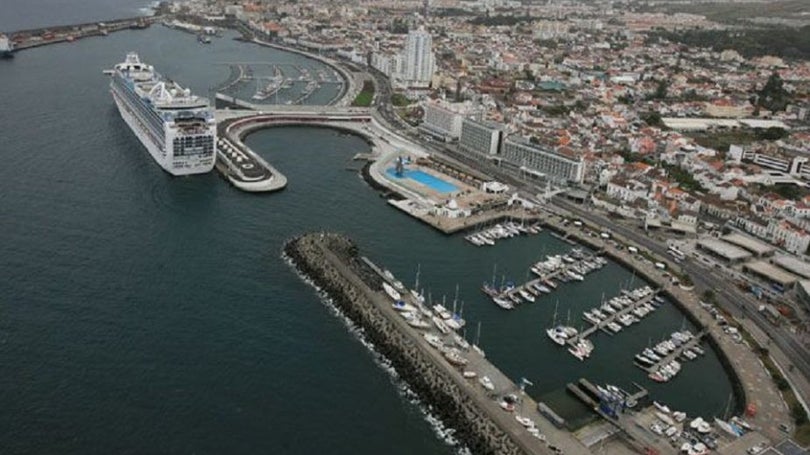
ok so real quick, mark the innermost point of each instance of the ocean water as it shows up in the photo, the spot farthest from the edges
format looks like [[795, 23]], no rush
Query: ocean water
[[142, 313]]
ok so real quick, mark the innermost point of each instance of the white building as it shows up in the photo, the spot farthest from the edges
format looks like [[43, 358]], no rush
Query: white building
[[790, 237], [389, 64], [443, 120], [480, 137], [543, 161], [418, 58]]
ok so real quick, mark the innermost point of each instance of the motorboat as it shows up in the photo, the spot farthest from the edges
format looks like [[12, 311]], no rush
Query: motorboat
[[525, 421], [440, 325], [557, 335], [486, 383], [418, 323], [393, 293], [503, 303], [526, 295], [469, 374], [455, 357], [433, 340], [582, 349], [401, 306]]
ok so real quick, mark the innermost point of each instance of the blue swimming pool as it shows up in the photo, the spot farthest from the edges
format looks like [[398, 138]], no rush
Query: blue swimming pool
[[424, 178]]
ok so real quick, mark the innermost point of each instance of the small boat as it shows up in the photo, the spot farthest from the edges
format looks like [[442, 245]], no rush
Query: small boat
[[503, 303], [418, 323], [391, 292], [461, 342], [440, 325], [526, 295], [557, 335], [390, 277], [455, 357], [469, 374], [401, 306], [486, 383], [661, 407], [433, 340], [525, 421]]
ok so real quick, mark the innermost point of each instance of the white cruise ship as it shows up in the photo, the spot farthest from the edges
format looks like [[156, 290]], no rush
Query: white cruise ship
[[177, 128], [6, 47]]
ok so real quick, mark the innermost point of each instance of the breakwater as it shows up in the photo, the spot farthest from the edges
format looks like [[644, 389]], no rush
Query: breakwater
[[333, 263]]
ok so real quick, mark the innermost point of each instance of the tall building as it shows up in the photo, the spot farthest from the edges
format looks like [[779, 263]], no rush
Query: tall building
[[418, 58], [443, 120], [480, 137], [543, 161]]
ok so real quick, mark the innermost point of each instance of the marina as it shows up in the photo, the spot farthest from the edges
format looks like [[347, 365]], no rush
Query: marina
[[488, 236], [661, 360], [550, 273]]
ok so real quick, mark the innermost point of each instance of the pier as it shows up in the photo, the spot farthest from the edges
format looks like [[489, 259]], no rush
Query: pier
[[529, 285], [694, 341], [612, 318], [27, 39]]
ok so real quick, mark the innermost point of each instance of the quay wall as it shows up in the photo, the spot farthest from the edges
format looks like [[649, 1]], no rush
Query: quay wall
[[332, 262]]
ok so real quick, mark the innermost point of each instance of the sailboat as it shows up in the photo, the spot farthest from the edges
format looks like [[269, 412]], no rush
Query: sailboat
[[415, 291], [557, 333], [476, 345]]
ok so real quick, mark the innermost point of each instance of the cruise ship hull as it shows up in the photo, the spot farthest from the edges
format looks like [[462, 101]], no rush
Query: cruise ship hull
[[173, 167]]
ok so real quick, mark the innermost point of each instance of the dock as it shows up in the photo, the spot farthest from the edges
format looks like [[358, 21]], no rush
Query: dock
[[694, 341], [613, 317], [529, 285]]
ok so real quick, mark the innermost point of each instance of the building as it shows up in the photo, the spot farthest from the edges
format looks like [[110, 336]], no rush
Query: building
[[727, 252], [443, 120], [778, 279], [418, 59], [543, 162], [480, 137], [756, 247], [789, 236]]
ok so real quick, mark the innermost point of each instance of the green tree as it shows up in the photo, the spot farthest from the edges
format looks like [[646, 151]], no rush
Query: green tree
[[773, 95], [652, 118]]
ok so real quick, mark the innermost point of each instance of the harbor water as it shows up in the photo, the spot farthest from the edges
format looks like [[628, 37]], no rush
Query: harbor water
[[143, 313]]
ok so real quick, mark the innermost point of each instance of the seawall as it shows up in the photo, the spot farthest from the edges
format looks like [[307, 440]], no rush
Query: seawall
[[333, 263]]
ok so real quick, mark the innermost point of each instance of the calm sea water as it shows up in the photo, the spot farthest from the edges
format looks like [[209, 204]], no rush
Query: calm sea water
[[142, 313]]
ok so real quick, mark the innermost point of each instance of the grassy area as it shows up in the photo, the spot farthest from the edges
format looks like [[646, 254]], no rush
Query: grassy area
[[399, 100], [366, 96], [731, 11], [721, 140]]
